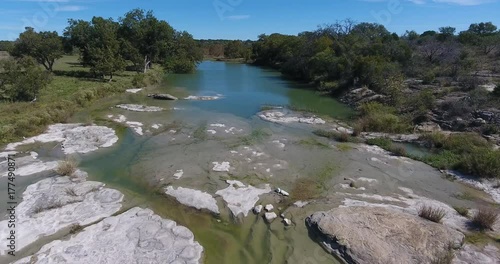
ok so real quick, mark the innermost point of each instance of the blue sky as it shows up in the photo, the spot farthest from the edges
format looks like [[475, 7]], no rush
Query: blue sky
[[246, 19]]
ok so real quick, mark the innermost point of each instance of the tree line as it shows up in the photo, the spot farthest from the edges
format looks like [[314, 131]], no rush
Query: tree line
[[134, 42], [347, 54]]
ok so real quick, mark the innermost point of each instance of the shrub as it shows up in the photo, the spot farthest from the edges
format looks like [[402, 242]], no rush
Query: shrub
[[432, 214], [463, 211], [482, 162], [338, 136], [485, 219], [380, 118], [470, 83], [66, 167], [384, 143], [399, 151]]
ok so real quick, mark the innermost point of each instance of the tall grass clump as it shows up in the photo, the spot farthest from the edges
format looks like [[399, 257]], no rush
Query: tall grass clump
[[432, 214], [485, 219], [66, 167]]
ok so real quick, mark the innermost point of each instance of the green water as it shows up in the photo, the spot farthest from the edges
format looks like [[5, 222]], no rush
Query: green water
[[245, 89]]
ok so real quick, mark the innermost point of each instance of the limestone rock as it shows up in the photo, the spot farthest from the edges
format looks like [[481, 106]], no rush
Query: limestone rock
[[194, 198], [270, 217], [56, 203], [257, 209], [75, 138], [136, 236], [269, 207], [287, 222], [241, 198], [162, 96], [381, 235], [139, 108]]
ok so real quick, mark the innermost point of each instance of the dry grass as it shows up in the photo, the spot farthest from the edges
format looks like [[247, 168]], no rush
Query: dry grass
[[463, 211], [432, 214], [66, 167], [485, 219], [304, 189]]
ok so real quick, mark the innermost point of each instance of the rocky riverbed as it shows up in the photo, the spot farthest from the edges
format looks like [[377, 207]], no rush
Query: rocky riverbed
[[266, 188]]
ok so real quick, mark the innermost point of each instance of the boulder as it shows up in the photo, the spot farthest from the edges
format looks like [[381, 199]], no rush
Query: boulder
[[257, 209], [162, 96], [381, 235], [287, 222], [269, 207], [270, 217]]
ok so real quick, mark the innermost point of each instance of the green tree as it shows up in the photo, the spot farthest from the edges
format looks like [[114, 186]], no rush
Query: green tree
[[98, 43], [45, 47], [21, 80], [146, 39]]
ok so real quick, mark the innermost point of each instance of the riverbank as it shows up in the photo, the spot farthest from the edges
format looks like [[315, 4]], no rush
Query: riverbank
[[72, 88]]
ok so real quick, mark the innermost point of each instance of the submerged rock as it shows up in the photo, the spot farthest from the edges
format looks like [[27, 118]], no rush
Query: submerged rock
[[281, 117], [133, 90], [136, 236], [203, 98], [241, 199], [194, 198], [56, 203], [140, 108], [162, 96], [221, 166], [75, 138], [381, 235]]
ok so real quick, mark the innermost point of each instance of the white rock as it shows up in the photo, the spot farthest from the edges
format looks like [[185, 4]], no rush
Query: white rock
[[217, 125], [194, 198], [269, 207], [300, 204], [240, 198], [133, 90], [257, 209], [140, 108], [211, 131], [279, 143], [136, 236], [287, 222], [48, 206], [178, 174], [221, 167], [280, 117], [32, 167], [270, 216], [34, 155], [156, 126], [488, 186], [75, 138]]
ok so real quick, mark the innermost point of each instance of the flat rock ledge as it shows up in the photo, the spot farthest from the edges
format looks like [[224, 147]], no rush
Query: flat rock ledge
[[140, 108], [136, 236], [240, 198], [75, 138], [194, 198], [53, 204], [381, 235]]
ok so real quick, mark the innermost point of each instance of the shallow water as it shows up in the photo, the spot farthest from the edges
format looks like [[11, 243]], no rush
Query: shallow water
[[141, 166]]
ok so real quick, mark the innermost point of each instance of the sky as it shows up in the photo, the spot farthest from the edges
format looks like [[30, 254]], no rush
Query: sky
[[246, 19]]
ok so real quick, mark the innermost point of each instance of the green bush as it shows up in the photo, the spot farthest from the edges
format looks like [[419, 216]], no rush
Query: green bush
[[483, 162], [377, 117], [384, 143]]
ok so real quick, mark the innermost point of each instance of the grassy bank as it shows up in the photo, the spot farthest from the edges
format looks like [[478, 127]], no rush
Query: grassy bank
[[72, 88], [466, 152]]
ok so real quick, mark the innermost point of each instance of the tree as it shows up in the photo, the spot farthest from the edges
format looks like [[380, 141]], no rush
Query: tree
[[45, 47], [483, 28], [21, 80], [184, 54], [98, 43], [148, 40]]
